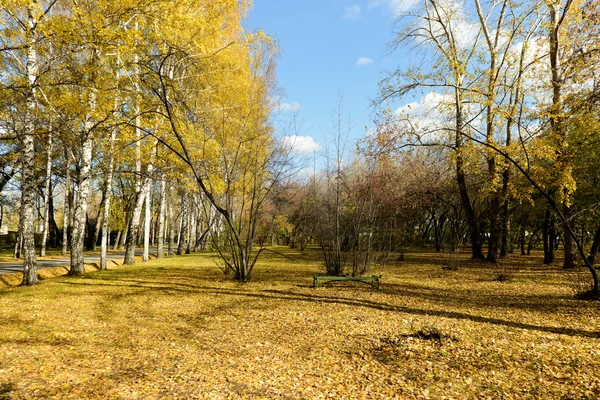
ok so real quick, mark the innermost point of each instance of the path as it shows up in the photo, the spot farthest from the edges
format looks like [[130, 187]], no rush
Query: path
[[12, 267]]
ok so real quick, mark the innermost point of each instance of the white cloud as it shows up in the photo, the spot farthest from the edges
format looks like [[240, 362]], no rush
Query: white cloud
[[428, 118], [363, 61], [426, 112], [305, 174], [289, 106], [351, 13], [300, 144], [396, 7], [432, 118]]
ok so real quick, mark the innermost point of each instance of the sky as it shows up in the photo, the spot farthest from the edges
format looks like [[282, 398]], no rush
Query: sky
[[329, 48]]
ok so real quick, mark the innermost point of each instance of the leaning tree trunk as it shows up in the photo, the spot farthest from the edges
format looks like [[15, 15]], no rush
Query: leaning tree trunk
[[199, 230], [28, 182], [123, 241], [595, 246], [47, 198], [98, 222], [97, 227], [53, 230], [134, 224], [116, 245], [569, 247]]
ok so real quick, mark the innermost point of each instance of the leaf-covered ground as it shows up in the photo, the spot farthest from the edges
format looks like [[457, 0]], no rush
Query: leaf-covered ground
[[178, 328]]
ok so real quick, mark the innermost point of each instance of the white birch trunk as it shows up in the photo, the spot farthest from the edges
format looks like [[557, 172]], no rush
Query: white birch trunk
[[171, 248], [134, 225], [104, 244], [66, 209], [84, 185], [116, 245], [47, 198], [183, 229], [147, 215], [191, 226], [27, 156], [18, 238], [160, 252]]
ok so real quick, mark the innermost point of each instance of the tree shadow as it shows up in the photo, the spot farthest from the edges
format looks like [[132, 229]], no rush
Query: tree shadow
[[353, 302]]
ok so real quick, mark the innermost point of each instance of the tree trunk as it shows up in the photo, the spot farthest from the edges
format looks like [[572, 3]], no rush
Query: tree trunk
[[595, 246], [476, 242], [105, 243], [505, 217], [171, 246], [66, 208], [570, 251], [117, 240], [160, 251], [531, 241], [19, 238], [199, 230], [47, 198], [132, 233], [28, 182], [147, 215], [549, 236], [184, 227], [79, 222], [191, 237], [53, 230], [123, 242], [97, 227], [563, 163], [522, 240]]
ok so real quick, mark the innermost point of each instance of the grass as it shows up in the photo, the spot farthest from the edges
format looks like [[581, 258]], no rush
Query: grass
[[178, 328]]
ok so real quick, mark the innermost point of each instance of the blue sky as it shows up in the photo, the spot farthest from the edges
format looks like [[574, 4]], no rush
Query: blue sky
[[322, 42]]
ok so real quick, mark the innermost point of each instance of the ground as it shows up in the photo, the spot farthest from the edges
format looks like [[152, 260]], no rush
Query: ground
[[179, 328]]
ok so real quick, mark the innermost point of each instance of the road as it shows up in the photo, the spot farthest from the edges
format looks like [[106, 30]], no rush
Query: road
[[12, 267]]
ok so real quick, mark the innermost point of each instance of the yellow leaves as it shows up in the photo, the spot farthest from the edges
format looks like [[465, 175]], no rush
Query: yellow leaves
[[177, 328]]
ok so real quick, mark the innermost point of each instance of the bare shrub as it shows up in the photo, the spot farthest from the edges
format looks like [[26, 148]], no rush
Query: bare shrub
[[581, 284]]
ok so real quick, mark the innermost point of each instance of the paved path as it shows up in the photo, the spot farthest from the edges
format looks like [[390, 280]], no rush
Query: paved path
[[12, 267]]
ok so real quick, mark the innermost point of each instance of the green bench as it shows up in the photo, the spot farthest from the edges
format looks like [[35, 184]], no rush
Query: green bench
[[369, 280]]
